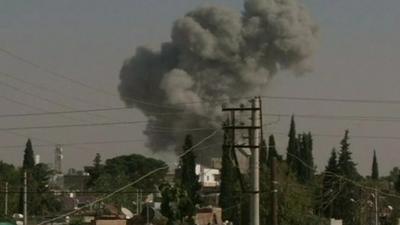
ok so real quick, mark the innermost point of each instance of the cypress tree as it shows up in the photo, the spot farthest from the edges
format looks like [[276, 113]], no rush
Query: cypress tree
[[347, 167], [29, 161], [28, 165], [375, 170], [230, 186], [330, 187], [349, 193], [263, 154], [272, 152], [305, 171], [292, 149], [189, 179]]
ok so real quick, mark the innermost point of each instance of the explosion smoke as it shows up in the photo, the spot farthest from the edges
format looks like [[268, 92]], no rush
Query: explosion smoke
[[215, 53]]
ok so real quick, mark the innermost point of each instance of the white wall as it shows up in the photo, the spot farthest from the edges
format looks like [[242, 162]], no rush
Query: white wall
[[207, 176], [336, 222]]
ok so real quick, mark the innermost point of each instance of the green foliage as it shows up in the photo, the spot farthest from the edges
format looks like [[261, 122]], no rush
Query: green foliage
[[375, 169], [94, 171], [397, 184], [292, 149], [77, 222], [10, 174], [189, 180], [43, 202], [29, 161], [295, 200], [230, 187], [176, 205], [347, 167], [330, 188], [349, 194], [305, 171], [122, 170], [272, 152]]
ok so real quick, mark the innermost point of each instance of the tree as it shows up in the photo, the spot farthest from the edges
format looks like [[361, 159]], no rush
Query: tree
[[347, 167], [27, 166], [122, 170], [305, 171], [272, 152], [43, 201], [230, 186], [330, 186], [292, 149], [29, 161], [397, 184], [375, 169], [349, 193], [10, 174], [189, 180], [263, 154], [94, 171], [176, 205]]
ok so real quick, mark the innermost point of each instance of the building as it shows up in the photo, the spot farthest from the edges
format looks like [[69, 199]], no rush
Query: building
[[208, 177], [336, 222], [209, 215]]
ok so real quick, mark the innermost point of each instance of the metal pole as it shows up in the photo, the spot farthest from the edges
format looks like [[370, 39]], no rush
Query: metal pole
[[376, 207], [6, 200], [274, 181], [254, 164], [25, 199]]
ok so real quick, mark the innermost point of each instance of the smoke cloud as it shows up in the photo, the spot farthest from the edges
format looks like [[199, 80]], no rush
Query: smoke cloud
[[215, 53]]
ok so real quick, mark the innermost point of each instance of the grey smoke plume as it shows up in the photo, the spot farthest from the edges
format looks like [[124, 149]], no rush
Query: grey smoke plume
[[215, 53]]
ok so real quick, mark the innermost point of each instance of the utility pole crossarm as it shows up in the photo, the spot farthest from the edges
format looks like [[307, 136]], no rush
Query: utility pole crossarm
[[242, 127], [253, 139], [243, 146], [242, 109]]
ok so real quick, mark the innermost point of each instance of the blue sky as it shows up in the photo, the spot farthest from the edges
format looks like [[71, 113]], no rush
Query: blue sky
[[89, 40]]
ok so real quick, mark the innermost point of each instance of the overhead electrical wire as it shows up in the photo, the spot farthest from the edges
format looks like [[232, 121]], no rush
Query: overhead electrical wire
[[130, 184], [74, 81], [104, 92], [47, 89]]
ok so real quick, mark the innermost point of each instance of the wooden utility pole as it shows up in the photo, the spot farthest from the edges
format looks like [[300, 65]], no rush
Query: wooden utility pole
[[274, 193], [254, 132]]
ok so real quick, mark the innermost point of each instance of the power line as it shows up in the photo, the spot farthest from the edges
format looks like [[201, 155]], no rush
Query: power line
[[305, 164], [306, 116], [351, 136], [45, 88], [48, 100], [338, 117], [74, 81], [72, 125], [154, 128], [77, 143], [130, 184], [99, 90], [342, 100]]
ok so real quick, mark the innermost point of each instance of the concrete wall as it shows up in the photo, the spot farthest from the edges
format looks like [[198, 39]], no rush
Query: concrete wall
[[336, 222]]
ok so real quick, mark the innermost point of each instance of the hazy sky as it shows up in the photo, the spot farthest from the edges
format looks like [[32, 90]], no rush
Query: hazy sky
[[89, 40]]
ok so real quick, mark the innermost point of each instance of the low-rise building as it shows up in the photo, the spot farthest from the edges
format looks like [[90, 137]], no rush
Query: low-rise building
[[208, 177]]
